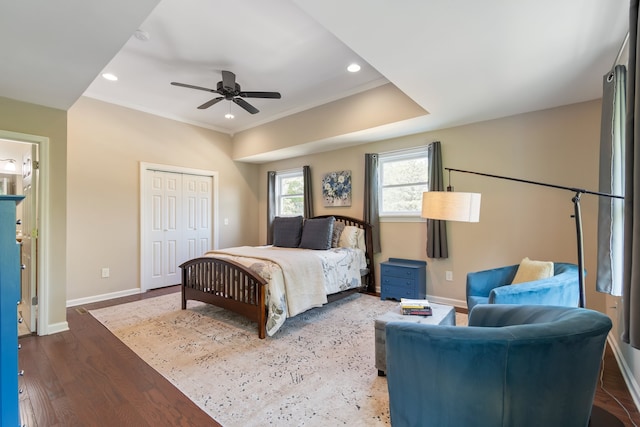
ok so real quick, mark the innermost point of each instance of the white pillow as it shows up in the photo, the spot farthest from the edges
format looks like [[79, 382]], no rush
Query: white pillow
[[361, 244], [529, 270], [349, 237]]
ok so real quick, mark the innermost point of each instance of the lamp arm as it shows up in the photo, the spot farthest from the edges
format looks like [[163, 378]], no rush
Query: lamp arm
[[577, 215], [526, 181]]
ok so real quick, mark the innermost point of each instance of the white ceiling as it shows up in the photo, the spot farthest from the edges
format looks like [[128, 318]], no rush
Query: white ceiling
[[461, 60]]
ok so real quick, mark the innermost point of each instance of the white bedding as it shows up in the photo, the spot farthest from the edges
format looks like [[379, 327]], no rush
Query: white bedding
[[299, 279]]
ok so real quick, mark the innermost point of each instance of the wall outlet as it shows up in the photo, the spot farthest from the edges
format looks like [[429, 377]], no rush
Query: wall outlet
[[448, 276], [226, 221], [105, 272]]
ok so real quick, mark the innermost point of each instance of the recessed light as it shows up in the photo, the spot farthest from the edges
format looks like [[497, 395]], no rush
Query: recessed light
[[229, 116], [353, 68], [110, 77]]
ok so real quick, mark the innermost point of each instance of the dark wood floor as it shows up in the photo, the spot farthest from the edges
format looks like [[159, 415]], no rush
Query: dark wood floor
[[87, 377]]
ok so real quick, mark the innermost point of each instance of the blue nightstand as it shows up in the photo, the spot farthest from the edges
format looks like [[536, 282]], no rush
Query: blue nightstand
[[403, 278]]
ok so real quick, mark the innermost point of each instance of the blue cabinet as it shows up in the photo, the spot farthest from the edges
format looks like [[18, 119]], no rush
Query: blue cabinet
[[9, 298], [403, 278]]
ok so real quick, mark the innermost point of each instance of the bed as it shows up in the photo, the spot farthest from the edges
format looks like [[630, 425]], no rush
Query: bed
[[246, 280]]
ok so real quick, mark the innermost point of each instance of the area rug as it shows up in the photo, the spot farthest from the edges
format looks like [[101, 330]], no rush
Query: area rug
[[318, 369]]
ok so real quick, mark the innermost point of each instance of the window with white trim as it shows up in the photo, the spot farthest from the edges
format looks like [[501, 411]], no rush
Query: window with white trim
[[289, 193], [403, 177]]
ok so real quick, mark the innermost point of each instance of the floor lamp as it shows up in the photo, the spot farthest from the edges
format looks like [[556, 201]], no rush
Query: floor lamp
[[454, 206]]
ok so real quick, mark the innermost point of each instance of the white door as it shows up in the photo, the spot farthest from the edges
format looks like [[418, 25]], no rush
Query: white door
[[29, 237], [197, 215], [163, 224], [176, 223]]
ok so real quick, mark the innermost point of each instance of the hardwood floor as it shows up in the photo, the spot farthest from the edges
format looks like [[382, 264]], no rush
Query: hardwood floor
[[87, 377]]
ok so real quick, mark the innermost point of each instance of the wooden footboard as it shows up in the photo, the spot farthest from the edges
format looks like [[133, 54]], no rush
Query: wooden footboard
[[227, 284]]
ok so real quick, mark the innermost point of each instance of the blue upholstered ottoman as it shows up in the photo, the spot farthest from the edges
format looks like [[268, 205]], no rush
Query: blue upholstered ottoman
[[442, 315]]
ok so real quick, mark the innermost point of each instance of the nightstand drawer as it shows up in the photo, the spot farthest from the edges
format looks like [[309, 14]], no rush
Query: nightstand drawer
[[397, 292], [391, 270], [399, 281]]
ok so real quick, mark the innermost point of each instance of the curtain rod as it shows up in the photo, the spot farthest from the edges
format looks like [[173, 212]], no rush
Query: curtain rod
[[562, 187]]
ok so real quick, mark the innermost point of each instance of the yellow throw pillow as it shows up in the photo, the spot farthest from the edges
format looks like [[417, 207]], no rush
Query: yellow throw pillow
[[529, 270]]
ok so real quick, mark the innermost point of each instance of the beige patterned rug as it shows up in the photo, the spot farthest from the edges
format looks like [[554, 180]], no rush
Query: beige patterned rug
[[318, 370]]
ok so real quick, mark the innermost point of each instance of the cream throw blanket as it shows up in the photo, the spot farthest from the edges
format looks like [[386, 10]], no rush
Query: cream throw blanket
[[301, 269]]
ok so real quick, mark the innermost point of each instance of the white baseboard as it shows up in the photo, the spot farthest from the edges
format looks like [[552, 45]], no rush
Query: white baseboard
[[54, 328], [447, 301], [627, 374], [103, 297]]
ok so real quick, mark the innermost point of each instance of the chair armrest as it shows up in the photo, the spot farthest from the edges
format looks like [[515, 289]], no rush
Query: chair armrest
[[560, 290], [480, 283]]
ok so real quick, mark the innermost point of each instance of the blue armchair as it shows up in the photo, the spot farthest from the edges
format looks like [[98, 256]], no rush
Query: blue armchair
[[515, 365], [494, 287]]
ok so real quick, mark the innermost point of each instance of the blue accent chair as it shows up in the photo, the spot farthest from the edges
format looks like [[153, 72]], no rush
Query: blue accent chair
[[494, 287], [514, 366]]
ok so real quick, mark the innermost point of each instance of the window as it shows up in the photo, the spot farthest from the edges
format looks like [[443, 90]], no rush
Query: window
[[289, 193], [403, 176]]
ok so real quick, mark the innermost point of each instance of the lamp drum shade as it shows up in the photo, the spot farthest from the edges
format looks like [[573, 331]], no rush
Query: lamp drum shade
[[451, 206]]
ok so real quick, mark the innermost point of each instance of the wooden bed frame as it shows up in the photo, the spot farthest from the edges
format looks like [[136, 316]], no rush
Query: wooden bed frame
[[232, 286]]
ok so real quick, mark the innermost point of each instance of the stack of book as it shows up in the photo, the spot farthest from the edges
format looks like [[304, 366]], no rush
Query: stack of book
[[415, 307]]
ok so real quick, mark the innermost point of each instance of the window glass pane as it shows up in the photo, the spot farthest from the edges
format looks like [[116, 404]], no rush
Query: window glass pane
[[403, 178], [403, 199], [405, 171], [292, 206], [290, 193], [292, 185]]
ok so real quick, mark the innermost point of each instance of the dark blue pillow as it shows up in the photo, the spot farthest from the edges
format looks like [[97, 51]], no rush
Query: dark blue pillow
[[287, 231], [317, 233]]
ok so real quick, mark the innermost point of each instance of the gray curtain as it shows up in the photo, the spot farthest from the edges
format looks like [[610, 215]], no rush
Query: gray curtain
[[631, 275], [271, 204], [437, 246], [371, 212], [610, 210], [308, 196]]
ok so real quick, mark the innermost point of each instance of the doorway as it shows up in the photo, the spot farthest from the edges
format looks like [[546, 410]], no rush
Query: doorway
[[22, 178], [178, 218]]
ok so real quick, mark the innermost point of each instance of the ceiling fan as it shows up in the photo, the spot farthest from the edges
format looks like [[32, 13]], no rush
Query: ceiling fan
[[230, 90]]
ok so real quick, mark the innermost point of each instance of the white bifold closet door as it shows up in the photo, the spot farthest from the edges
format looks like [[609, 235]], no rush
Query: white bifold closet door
[[177, 224]]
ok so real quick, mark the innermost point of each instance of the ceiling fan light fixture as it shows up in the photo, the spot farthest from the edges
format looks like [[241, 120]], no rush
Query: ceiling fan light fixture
[[229, 115], [110, 77], [353, 68]]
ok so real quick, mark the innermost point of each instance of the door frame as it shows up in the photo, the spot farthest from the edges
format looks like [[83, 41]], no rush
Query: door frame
[[146, 167], [44, 229]]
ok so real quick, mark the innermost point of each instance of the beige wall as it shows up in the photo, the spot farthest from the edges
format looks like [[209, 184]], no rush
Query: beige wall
[[311, 129], [49, 123], [558, 146], [106, 145]]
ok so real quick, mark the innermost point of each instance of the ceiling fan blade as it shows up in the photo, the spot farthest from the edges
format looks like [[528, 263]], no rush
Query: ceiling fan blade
[[244, 104], [272, 95], [210, 103], [228, 80], [194, 87]]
